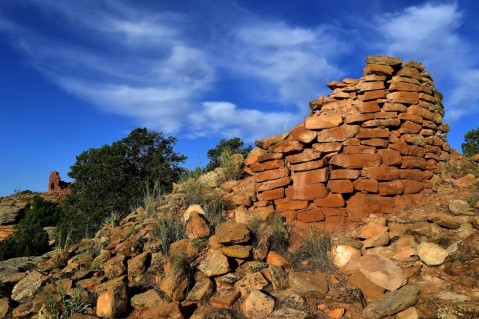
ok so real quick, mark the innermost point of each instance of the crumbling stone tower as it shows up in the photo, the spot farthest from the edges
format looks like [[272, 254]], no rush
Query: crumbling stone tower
[[55, 184], [372, 146]]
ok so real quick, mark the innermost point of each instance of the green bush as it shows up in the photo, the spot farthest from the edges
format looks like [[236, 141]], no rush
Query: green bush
[[233, 146], [170, 230], [29, 239], [470, 146], [112, 179], [315, 249]]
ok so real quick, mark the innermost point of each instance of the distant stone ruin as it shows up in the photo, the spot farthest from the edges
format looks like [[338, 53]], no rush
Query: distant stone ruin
[[372, 146], [56, 185]]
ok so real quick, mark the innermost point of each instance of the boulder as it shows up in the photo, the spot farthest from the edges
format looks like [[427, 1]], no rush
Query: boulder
[[232, 233], [28, 286], [257, 305], [163, 311], [196, 226], [214, 264], [391, 303], [343, 254], [382, 271], [432, 254], [113, 301], [146, 300], [308, 283], [459, 207]]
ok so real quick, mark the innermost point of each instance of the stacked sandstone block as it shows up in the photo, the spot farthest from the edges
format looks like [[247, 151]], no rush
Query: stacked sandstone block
[[372, 146]]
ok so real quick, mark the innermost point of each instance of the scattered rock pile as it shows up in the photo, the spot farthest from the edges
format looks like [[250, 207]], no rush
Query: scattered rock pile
[[372, 146]]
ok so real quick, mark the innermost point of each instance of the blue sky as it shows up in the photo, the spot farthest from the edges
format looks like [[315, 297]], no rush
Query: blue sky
[[81, 74]]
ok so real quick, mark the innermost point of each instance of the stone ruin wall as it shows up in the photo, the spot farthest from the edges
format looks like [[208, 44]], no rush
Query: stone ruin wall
[[372, 146], [56, 185]]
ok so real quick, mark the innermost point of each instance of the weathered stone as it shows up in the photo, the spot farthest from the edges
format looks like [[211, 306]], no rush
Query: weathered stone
[[370, 229], [267, 142], [115, 267], [343, 254], [373, 133], [4, 307], [257, 305], [263, 166], [391, 188], [250, 282], [383, 60], [459, 207], [164, 311], [370, 86], [344, 174], [112, 302], [237, 251], [309, 177], [271, 194], [214, 264], [224, 298], [271, 174], [444, 220], [306, 156], [327, 147], [307, 166], [370, 290], [27, 287], [382, 271], [431, 254], [312, 215], [287, 147], [404, 97], [232, 233], [391, 303], [196, 226], [202, 290], [146, 300], [378, 69], [306, 284], [366, 185], [331, 200]]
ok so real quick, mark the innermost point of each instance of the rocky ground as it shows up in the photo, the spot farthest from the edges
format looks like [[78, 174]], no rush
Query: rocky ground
[[420, 263]]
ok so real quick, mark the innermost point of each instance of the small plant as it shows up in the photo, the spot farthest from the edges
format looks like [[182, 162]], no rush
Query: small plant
[[193, 188], [153, 198], [315, 249], [112, 221], [198, 243], [472, 200], [169, 230], [232, 164], [213, 206], [278, 241], [67, 306]]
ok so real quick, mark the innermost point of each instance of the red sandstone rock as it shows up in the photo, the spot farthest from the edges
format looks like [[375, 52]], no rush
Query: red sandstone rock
[[370, 86], [412, 187], [391, 188], [373, 95], [410, 127], [308, 216], [413, 162], [306, 156], [289, 205], [404, 97], [278, 163], [307, 192], [402, 86], [307, 166], [286, 147], [340, 186], [338, 133], [373, 133], [360, 149], [366, 185], [375, 142], [271, 174], [302, 134], [268, 185], [309, 177], [413, 174], [378, 69], [331, 200], [389, 157], [271, 194], [356, 160], [267, 142], [323, 122], [361, 205], [344, 174], [381, 173], [367, 107], [327, 147]]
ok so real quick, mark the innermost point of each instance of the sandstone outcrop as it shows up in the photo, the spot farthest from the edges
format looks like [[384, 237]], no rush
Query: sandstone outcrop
[[372, 146]]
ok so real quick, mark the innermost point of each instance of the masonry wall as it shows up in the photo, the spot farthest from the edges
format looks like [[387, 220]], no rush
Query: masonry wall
[[372, 146]]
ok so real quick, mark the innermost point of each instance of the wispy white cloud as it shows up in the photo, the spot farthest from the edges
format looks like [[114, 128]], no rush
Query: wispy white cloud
[[226, 119], [430, 33], [147, 65]]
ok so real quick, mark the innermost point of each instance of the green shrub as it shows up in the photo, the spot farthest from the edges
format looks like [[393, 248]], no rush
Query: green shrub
[[68, 304], [170, 230], [29, 238], [153, 198], [232, 165], [112, 178], [233, 146], [470, 146]]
